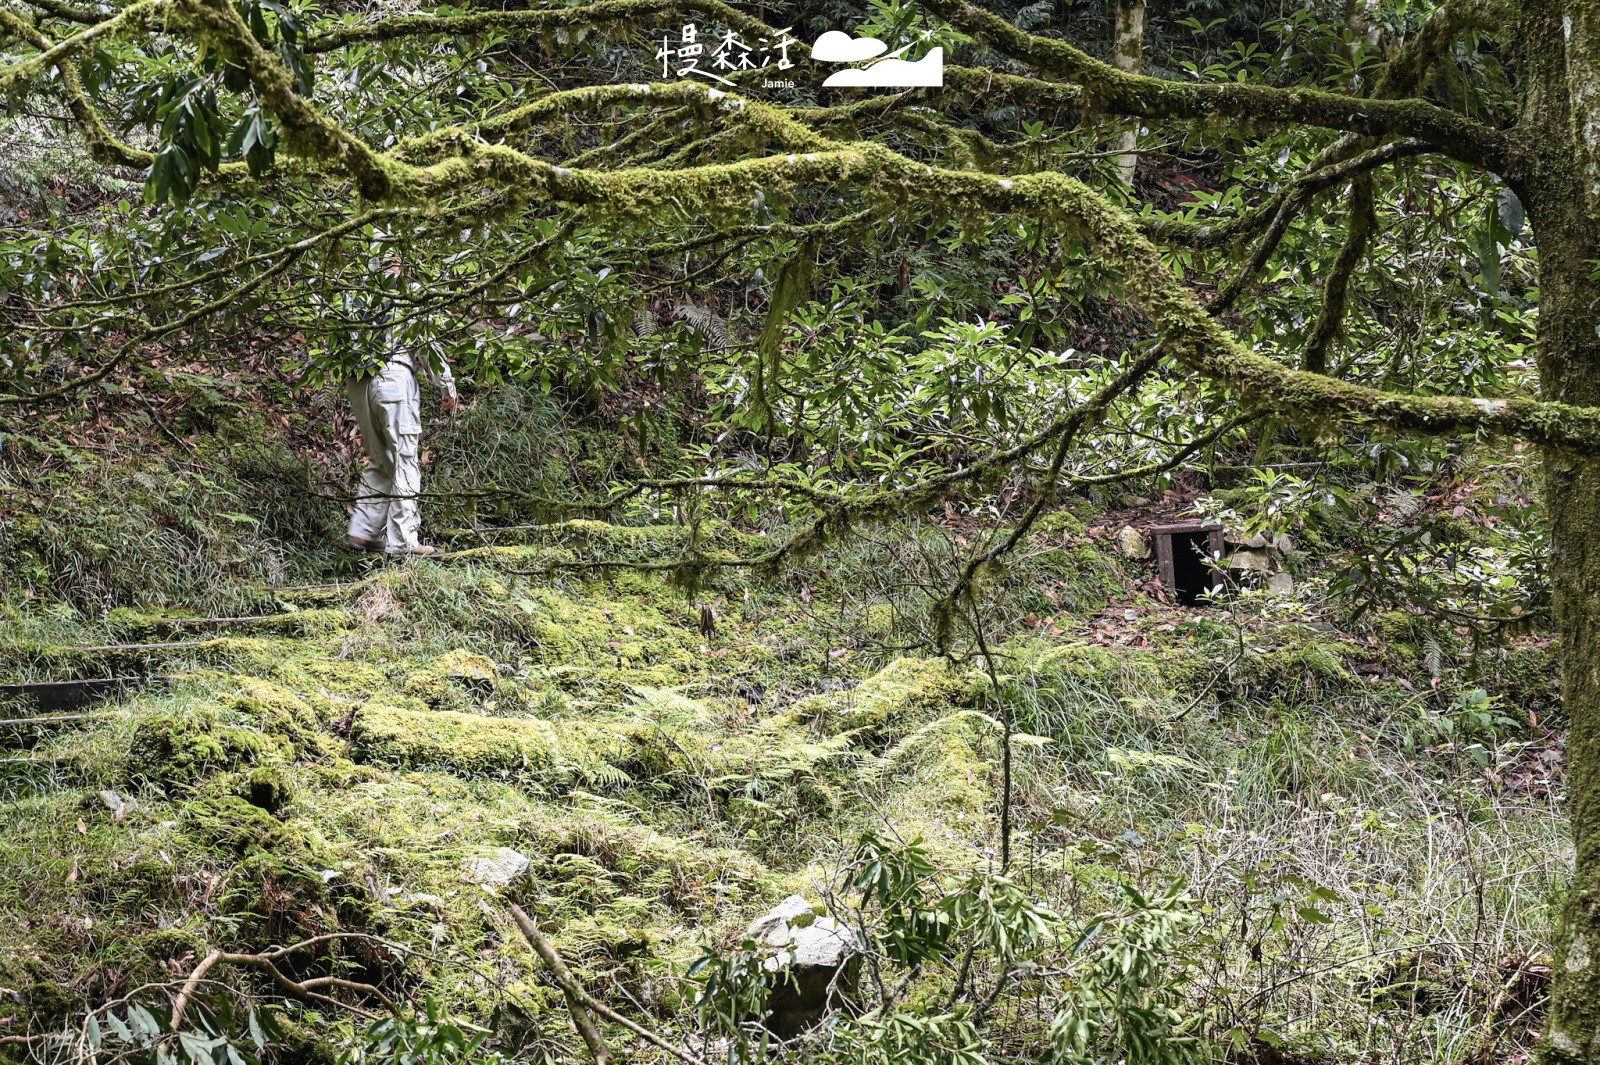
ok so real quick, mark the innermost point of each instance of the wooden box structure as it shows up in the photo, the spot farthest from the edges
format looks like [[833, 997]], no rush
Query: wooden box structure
[[1187, 553]]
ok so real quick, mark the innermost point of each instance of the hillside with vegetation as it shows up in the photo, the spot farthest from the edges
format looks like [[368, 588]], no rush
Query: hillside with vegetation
[[799, 679], [1312, 838]]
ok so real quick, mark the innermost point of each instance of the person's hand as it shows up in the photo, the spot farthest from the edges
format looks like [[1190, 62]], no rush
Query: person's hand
[[449, 403]]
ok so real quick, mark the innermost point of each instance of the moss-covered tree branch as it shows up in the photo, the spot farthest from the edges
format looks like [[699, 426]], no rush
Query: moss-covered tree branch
[[1109, 90], [1336, 288]]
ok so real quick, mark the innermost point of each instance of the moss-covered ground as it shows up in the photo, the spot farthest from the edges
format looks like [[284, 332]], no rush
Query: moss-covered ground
[[674, 764], [1370, 829]]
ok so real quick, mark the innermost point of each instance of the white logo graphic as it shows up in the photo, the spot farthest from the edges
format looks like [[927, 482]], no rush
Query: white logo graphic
[[890, 72]]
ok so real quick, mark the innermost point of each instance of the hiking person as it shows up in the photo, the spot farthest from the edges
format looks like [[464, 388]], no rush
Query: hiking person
[[388, 406]]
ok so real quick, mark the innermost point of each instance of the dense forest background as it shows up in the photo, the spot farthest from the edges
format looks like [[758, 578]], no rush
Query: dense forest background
[[788, 522]]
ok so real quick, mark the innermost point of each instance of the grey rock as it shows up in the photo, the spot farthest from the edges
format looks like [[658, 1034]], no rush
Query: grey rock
[[812, 965], [495, 870], [1249, 562], [825, 943], [1280, 583]]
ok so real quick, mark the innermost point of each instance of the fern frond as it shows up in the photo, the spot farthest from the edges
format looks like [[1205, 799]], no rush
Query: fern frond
[[705, 322]]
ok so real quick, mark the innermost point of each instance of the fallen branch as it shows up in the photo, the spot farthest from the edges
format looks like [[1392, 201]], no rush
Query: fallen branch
[[581, 1019], [181, 1003], [42, 759], [303, 989], [54, 719], [581, 1002]]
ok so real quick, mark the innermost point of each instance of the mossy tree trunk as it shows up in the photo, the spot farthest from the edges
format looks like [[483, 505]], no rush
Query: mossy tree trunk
[[1561, 185], [1128, 55]]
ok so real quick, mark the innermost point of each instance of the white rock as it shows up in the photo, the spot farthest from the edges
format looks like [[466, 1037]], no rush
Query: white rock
[[825, 942], [497, 869], [1132, 544], [773, 927]]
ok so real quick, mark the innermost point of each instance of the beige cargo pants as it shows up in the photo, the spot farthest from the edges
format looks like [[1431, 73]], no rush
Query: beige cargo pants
[[388, 408]]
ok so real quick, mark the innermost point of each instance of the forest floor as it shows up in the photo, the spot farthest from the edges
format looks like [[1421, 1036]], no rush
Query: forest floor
[[1373, 841]]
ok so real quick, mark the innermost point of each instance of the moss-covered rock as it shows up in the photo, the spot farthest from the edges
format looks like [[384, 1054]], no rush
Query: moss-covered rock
[[232, 822], [558, 751], [1300, 663], [356, 680], [163, 944], [1118, 669], [278, 709], [1529, 678], [170, 749], [904, 692], [456, 680]]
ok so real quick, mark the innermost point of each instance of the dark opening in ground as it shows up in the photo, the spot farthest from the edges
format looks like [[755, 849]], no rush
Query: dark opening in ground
[[1184, 553], [1192, 578]]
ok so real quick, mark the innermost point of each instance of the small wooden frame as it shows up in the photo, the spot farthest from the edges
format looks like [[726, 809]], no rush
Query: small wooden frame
[[1184, 573]]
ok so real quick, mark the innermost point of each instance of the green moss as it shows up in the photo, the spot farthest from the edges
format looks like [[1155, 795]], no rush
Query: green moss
[[687, 876], [268, 788], [1301, 665], [307, 1044], [231, 822], [1529, 678], [620, 633], [166, 943], [1068, 521], [276, 707], [599, 540], [556, 751], [1120, 671], [902, 693], [172, 750], [456, 680], [51, 1005], [1408, 639], [467, 743], [668, 785], [140, 624], [351, 679], [1397, 632]]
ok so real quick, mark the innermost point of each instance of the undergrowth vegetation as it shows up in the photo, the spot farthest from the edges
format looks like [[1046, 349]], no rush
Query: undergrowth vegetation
[[1256, 828]]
